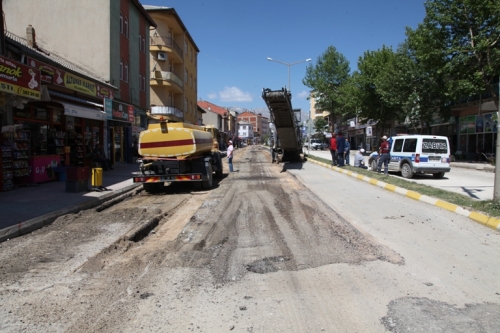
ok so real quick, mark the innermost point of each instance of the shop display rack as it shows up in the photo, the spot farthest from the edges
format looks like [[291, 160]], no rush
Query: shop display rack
[[6, 174], [75, 141], [58, 142], [20, 154]]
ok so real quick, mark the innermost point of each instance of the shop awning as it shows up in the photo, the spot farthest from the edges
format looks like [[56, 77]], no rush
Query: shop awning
[[82, 111]]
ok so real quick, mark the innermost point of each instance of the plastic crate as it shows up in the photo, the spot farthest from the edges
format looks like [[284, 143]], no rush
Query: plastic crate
[[75, 186], [77, 173]]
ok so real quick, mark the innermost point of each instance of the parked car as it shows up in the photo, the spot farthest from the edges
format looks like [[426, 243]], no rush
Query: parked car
[[317, 144], [411, 154]]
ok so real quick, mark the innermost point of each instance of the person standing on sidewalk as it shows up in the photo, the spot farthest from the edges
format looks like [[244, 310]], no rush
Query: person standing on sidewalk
[[341, 149], [333, 148], [384, 156], [347, 151], [230, 150]]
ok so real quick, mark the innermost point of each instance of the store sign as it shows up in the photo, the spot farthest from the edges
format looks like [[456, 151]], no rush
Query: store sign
[[119, 111], [19, 79], [62, 78]]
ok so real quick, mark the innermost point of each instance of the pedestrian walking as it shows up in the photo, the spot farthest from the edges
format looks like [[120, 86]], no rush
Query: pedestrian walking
[[359, 159], [230, 150], [384, 156], [340, 149], [347, 151], [333, 148]]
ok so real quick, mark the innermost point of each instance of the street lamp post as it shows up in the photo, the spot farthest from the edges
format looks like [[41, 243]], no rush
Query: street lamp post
[[289, 65]]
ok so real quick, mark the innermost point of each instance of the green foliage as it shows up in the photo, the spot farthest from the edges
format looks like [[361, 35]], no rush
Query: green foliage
[[460, 41], [320, 125], [371, 72], [325, 79]]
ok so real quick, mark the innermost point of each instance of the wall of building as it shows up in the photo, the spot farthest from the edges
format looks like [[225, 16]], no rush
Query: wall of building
[[55, 23]]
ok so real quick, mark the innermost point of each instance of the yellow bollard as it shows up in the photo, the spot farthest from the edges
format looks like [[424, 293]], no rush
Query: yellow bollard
[[96, 177]]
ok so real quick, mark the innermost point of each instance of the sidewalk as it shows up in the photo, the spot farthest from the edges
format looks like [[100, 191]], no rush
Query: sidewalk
[[27, 208], [481, 166]]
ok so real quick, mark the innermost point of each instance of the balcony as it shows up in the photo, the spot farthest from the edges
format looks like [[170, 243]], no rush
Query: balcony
[[168, 112], [167, 79], [168, 45]]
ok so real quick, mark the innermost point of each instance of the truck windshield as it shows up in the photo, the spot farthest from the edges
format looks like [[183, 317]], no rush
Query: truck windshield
[[435, 146]]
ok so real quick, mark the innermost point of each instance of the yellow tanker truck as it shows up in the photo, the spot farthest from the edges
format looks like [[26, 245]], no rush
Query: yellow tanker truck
[[178, 152]]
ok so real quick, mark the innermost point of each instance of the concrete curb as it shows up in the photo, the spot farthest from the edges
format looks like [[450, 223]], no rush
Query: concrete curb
[[490, 222], [40, 221]]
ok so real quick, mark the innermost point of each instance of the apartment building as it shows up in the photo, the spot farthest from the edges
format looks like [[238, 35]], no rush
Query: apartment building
[[173, 67], [107, 38]]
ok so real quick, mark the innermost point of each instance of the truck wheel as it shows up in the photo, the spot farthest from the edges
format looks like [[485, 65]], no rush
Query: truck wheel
[[207, 184], [406, 171], [438, 175], [153, 187]]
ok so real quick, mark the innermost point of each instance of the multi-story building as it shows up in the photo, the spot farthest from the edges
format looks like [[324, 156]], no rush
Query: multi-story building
[[245, 132], [255, 120], [265, 127], [173, 67], [112, 43], [226, 122]]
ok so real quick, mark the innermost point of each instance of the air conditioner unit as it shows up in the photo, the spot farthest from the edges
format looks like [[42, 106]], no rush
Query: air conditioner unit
[[162, 56]]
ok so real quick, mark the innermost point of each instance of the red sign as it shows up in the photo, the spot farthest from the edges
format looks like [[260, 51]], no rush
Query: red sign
[[62, 78], [19, 79]]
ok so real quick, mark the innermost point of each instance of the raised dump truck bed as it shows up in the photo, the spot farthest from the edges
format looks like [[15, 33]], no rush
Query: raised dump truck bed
[[286, 122]]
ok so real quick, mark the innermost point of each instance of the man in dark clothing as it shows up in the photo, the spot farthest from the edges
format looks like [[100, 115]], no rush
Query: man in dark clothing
[[340, 149], [333, 148], [100, 157]]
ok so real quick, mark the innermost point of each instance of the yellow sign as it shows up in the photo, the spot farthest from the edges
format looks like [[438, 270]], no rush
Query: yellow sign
[[21, 91], [79, 84]]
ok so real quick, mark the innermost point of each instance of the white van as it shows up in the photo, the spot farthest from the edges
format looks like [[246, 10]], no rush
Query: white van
[[411, 154]]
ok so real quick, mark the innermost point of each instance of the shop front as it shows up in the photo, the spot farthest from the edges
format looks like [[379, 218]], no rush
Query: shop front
[[48, 135], [477, 134], [19, 85], [119, 127]]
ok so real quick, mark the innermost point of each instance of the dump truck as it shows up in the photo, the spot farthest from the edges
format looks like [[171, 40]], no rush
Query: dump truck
[[178, 152]]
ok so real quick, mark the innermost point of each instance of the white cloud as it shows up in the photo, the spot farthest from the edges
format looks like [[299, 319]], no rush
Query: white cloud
[[303, 94], [233, 94], [212, 96]]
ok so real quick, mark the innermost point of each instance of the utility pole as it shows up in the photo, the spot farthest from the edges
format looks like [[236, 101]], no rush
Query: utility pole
[[496, 189]]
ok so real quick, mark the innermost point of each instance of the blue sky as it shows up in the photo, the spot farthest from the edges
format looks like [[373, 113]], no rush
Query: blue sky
[[235, 38]]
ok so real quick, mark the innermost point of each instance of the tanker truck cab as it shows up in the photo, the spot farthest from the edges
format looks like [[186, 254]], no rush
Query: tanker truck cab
[[177, 152], [424, 154]]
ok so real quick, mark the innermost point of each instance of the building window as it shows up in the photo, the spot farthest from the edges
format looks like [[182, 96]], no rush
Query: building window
[[143, 82], [125, 28], [140, 42], [121, 69], [125, 72], [143, 44], [186, 105], [121, 23], [186, 76]]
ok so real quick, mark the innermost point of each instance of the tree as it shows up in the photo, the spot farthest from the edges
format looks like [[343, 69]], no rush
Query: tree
[[418, 95], [326, 77], [369, 96], [320, 125], [460, 39]]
